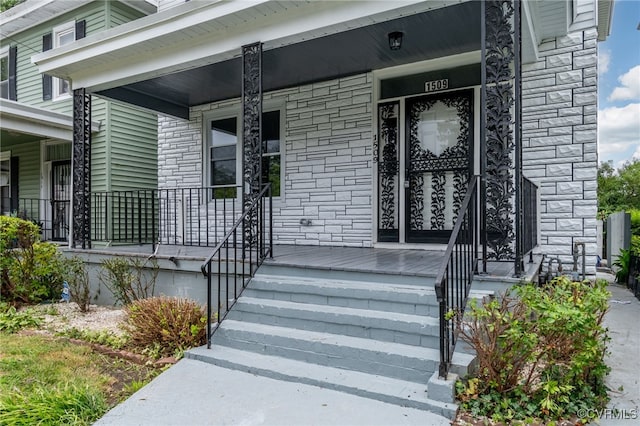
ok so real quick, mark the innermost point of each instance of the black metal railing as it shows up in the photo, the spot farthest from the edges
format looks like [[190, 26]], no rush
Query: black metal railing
[[455, 275], [237, 256], [51, 216], [529, 216], [197, 216]]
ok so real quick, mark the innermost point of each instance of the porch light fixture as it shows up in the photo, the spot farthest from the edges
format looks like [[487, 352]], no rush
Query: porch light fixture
[[395, 40]]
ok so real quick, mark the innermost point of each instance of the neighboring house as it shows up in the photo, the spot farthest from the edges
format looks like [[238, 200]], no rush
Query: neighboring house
[[37, 122]]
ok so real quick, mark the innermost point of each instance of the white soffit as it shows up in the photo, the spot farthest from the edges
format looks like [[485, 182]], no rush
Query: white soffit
[[21, 118], [197, 33]]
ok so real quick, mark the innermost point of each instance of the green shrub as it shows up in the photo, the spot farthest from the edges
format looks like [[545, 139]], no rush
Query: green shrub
[[540, 352], [32, 271], [103, 337], [12, 321], [635, 221], [623, 265], [166, 324], [129, 279], [78, 279]]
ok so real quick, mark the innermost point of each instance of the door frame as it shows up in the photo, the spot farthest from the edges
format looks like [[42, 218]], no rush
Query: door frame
[[408, 70]]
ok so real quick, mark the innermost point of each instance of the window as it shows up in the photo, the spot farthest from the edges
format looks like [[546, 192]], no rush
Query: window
[[271, 151], [4, 73], [5, 183], [64, 34], [224, 153]]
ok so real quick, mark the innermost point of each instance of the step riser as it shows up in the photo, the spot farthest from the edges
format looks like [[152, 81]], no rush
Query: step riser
[[347, 302], [387, 331], [299, 271], [384, 364], [344, 387]]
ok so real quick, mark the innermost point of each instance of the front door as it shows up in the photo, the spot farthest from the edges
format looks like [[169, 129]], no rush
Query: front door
[[435, 168], [60, 199]]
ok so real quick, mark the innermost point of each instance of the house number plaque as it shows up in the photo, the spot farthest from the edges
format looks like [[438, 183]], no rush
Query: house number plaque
[[436, 85]]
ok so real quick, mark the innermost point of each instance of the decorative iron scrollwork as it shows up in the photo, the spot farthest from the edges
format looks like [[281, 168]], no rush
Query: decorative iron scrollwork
[[81, 169], [500, 143], [453, 159], [251, 132], [388, 116]]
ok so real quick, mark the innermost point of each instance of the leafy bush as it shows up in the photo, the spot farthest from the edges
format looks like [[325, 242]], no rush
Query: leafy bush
[[168, 324], [539, 353], [32, 271], [12, 321], [129, 279], [78, 280], [623, 265]]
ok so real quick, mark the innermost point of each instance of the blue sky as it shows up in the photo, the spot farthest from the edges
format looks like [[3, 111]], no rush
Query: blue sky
[[619, 86]]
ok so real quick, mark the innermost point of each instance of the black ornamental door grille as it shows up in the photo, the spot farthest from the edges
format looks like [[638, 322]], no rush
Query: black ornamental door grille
[[438, 163], [60, 199]]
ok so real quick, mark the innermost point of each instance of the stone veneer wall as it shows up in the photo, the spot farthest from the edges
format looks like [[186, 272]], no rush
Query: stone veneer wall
[[327, 160], [559, 142]]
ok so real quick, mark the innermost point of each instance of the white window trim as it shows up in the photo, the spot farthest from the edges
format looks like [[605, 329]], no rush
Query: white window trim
[[4, 52], [59, 31], [235, 111]]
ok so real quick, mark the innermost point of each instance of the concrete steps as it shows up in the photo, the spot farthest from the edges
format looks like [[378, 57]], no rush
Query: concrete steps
[[381, 388], [353, 332]]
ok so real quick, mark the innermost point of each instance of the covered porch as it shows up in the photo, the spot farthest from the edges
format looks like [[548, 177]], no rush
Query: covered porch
[[357, 128]]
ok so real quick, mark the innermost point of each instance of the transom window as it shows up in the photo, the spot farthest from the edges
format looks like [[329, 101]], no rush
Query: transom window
[[224, 153], [4, 73], [63, 34]]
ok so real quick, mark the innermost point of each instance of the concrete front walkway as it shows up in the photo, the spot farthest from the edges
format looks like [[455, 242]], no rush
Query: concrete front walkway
[[194, 393], [623, 321]]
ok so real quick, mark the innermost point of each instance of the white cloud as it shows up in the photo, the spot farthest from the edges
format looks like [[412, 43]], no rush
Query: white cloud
[[618, 130], [636, 154], [630, 86], [604, 59]]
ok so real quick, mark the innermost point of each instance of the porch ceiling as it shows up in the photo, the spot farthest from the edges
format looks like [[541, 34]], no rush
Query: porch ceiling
[[442, 32]]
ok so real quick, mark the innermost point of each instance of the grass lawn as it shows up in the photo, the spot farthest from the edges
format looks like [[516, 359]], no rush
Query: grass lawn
[[51, 381]]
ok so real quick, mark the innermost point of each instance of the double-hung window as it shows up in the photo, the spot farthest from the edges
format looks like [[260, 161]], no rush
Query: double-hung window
[[225, 154], [63, 34]]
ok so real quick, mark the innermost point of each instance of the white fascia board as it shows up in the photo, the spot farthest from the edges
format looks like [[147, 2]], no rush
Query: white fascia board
[[22, 118], [34, 12], [117, 57]]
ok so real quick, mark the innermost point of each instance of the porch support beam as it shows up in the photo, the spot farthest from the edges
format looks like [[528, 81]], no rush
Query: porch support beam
[[252, 121], [500, 138], [81, 164]]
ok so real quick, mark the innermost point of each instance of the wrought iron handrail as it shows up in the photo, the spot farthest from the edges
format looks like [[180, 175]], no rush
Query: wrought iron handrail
[[252, 246], [455, 275]]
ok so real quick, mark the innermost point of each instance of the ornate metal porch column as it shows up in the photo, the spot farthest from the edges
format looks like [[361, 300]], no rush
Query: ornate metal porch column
[[251, 131], [81, 163], [501, 141]]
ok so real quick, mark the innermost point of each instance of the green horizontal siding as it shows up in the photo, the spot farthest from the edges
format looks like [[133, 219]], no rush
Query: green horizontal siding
[[29, 167], [133, 136]]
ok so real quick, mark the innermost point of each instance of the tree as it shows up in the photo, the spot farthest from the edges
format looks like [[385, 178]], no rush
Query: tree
[[618, 190], [8, 4]]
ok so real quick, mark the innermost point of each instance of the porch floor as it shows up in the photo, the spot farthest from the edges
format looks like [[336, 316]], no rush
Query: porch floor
[[411, 262]]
